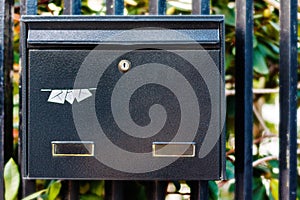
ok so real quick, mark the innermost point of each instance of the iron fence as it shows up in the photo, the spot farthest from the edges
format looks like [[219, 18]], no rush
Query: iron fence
[[244, 104]]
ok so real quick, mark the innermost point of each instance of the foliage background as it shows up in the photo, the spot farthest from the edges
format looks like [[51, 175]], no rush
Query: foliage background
[[265, 110]]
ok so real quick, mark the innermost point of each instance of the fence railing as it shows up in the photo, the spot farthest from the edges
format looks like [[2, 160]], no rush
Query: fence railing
[[244, 104]]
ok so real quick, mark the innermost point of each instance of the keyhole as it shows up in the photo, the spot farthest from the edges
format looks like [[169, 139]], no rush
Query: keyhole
[[124, 65]]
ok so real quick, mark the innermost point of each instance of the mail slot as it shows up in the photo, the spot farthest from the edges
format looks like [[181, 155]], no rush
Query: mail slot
[[123, 98]]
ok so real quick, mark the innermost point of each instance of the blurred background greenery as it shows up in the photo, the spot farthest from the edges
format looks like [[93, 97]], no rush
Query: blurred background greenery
[[265, 109]]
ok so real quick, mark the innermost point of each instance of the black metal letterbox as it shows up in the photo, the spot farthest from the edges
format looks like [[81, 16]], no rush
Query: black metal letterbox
[[138, 97]]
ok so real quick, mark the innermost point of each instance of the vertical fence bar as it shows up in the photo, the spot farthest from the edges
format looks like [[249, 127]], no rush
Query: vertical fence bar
[[244, 102], [200, 7], [72, 7], [72, 190], [156, 189], [6, 62], [157, 7], [29, 7], [27, 187], [114, 7], [199, 189], [109, 7], [288, 100], [114, 190]]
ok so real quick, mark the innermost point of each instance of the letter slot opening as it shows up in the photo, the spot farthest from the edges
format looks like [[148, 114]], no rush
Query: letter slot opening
[[173, 149], [72, 148]]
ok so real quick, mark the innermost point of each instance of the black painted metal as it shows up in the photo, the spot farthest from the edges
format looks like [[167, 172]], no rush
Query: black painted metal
[[114, 7], [156, 190], [200, 7], [288, 100], [72, 7], [54, 120], [109, 7], [6, 63], [114, 190], [243, 117], [157, 7], [199, 190], [119, 7], [29, 7], [288, 81], [27, 187]]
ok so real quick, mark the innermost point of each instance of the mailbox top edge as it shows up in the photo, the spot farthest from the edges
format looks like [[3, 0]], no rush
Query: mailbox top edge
[[84, 18]]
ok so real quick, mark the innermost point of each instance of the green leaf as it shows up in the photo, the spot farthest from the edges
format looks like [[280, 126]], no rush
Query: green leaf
[[213, 190], [16, 57], [229, 170], [275, 25], [274, 47], [260, 65], [258, 189], [90, 197], [267, 51], [84, 187], [35, 195], [11, 180], [97, 187], [274, 188], [229, 60], [54, 190], [255, 42]]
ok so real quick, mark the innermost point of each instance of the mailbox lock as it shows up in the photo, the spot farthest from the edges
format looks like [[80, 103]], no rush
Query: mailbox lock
[[124, 65]]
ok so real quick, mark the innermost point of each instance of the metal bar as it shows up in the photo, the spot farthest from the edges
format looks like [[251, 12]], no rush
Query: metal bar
[[200, 7], [288, 100], [199, 190], [8, 83], [6, 104], [27, 187], [114, 7], [244, 102], [156, 190], [119, 7], [28, 7], [72, 190], [72, 7], [109, 7], [160, 189], [157, 7], [114, 190]]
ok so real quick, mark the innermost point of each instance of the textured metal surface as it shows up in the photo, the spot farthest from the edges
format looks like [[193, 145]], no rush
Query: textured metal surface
[[114, 7], [288, 100], [199, 190], [200, 7], [209, 36], [243, 108], [6, 63], [72, 7], [57, 68], [157, 7], [29, 7]]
